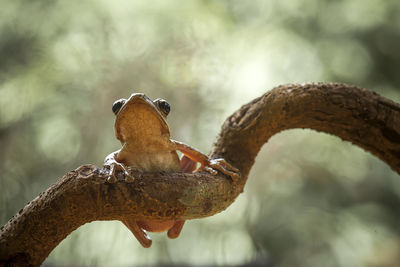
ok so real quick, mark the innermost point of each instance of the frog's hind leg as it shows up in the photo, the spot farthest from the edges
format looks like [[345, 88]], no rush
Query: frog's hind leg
[[176, 229], [138, 232], [187, 165]]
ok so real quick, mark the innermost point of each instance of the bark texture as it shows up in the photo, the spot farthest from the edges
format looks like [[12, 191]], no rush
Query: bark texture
[[353, 114]]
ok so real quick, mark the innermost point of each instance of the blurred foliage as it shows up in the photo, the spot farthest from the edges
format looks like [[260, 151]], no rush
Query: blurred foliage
[[311, 199]]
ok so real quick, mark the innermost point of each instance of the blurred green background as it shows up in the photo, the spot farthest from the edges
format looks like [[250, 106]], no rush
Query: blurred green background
[[311, 199]]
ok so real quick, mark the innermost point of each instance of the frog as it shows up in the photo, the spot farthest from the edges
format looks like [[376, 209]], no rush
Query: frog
[[141, 127]]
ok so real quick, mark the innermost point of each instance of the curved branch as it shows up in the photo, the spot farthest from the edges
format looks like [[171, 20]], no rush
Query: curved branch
[[82, 196], [356, 115]]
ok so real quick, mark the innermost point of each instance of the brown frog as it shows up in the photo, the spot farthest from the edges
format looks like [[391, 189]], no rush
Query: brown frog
[[141, 127]]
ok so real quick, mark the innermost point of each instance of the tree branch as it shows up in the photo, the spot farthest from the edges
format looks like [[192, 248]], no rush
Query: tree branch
[[353, 114], [356, 115]]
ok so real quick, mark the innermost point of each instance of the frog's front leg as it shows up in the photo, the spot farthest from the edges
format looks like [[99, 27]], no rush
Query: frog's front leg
[[219, 164], [111, 163]]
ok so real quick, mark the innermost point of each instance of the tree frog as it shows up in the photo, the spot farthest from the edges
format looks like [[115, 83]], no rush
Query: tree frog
[[141, 127]]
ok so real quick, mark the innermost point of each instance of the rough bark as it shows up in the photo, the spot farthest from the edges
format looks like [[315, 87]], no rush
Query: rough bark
[[353, 114]]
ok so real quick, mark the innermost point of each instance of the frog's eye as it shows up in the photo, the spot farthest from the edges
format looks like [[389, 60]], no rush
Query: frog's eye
[[163, 106], [117, 105]]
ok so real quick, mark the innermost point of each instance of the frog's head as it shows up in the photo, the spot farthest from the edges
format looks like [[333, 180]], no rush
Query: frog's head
[[139, 118]]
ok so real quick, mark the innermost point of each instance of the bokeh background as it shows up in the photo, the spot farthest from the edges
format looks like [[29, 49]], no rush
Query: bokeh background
[[311, 199]]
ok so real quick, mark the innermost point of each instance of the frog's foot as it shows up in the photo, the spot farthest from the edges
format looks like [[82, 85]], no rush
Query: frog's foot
[[176, 229], [210, 170], [224, 167], [138, 232], [116, 166]]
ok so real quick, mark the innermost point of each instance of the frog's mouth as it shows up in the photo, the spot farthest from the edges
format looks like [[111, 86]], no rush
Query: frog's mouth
[[139, 116]]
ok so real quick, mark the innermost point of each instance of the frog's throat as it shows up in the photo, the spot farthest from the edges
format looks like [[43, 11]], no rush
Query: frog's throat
[[139, 98]]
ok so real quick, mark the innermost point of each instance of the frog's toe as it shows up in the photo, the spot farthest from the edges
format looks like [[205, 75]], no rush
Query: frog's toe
[[234, 175], [211, 170], [111, 176], [111, 179], [224, 164], [225, 168], [129, 178]]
